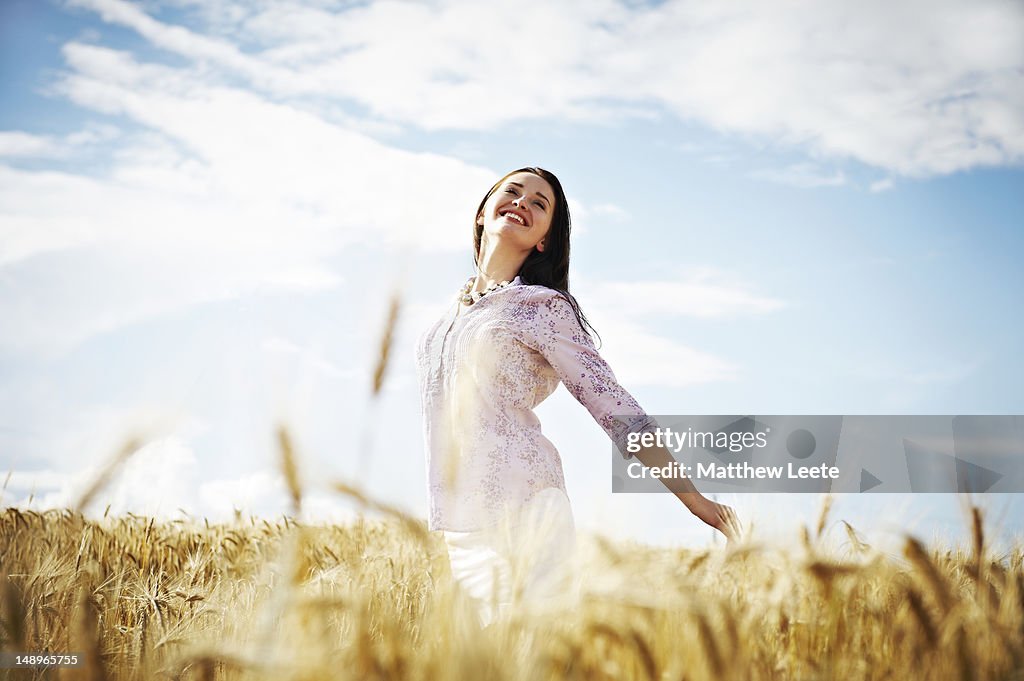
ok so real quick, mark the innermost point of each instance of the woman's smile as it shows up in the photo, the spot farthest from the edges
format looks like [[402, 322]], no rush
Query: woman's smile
[[512, 216]]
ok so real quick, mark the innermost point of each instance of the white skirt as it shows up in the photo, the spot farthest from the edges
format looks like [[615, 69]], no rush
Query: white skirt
[[530, 559]]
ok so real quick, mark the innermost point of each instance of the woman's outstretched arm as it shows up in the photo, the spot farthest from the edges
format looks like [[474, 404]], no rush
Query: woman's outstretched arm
[[549, 326]]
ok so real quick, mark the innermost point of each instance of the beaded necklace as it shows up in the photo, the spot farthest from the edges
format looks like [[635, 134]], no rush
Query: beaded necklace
[[470, 297]]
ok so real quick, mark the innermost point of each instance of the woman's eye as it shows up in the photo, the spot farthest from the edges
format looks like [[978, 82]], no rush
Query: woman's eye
[[539, 204], [510, 190]]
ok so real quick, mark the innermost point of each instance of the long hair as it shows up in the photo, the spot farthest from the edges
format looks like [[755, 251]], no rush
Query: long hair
[[549, 267]]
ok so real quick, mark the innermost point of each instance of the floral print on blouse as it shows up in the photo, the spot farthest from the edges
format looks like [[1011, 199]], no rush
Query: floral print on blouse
[[482, 370]]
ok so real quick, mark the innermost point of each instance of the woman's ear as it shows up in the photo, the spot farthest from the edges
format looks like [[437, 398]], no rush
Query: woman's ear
[[540, 246]]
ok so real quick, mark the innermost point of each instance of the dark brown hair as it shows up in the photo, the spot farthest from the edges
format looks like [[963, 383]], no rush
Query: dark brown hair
[[549, 267]]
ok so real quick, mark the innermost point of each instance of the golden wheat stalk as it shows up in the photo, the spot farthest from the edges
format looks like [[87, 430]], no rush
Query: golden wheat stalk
[[826, 506], [6, 480], [922, 617], [290, 468], [386, 340], [105, 474], [13, 612], [978, 541], [859, 546], [412, 525], [377, 383], [87, 635], [918, 556], [709, 642]]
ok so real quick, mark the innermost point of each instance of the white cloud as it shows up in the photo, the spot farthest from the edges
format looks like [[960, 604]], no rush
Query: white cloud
[[225, 195], [17, 144], [802, 175], [70, 432], [882, 185], [156, 480], [264, 494], [309, 356], [26, 481], [165, 477], [22, 144], [230, 192], [918, 88], [704, 294], [326, 507], [641, 357], [259, 493], [264, 153]]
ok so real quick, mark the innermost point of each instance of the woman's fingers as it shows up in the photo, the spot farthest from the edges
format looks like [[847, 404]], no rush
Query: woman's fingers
[[731, 526], [719, 516]]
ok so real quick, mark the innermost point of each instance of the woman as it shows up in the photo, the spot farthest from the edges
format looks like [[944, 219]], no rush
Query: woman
[[509, 337]]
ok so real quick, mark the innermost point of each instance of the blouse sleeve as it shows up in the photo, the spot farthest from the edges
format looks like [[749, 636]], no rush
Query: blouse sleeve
[[549, 326]]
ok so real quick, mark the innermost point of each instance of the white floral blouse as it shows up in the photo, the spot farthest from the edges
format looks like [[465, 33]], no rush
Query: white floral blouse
[[482, 369]]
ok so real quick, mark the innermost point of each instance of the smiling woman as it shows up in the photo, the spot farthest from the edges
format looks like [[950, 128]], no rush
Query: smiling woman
[[496, 487]]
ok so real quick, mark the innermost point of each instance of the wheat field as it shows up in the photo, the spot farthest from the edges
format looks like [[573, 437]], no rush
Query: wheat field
[[373, 599]]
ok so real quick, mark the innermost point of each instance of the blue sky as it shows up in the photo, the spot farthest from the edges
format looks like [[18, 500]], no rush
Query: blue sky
[[205, 206]]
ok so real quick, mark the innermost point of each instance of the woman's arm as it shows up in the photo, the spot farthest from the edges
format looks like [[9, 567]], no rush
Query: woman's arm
[[549, 326], [719, 516]]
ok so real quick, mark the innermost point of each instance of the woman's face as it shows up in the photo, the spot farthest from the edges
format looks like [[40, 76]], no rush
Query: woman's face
[[519, 212]]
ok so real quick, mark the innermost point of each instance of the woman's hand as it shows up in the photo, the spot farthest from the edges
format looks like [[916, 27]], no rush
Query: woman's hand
[[719, 516]]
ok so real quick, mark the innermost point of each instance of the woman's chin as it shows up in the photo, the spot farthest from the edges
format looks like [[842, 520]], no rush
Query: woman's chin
[[509, 235]]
